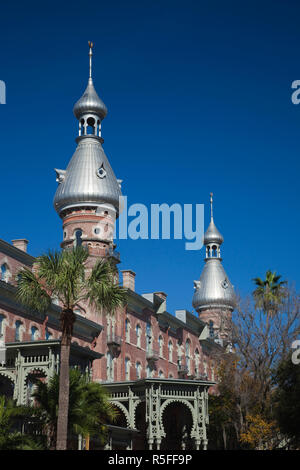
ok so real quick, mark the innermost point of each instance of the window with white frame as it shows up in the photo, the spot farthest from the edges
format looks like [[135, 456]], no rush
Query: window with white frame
[[5, 273], [188, 353], [34, 333], [138, 335], [127, 368], [160, 345], [109, 367], [18, 330], [138, 369]]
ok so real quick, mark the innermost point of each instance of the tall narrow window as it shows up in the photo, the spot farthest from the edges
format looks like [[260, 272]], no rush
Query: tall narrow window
[[187, 353], [4, 272], [148, 336], [127, 368], [34, 333], [109, 367], [138, 368], [160, 345], [78, 239], [138, 336], [17, 331], [211, 329]]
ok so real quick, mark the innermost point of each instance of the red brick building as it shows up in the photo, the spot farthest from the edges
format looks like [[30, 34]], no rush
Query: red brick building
[[151, 360]]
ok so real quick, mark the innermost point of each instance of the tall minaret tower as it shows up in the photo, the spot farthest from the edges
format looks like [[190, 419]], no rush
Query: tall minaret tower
[[214, 297], [87, 197]]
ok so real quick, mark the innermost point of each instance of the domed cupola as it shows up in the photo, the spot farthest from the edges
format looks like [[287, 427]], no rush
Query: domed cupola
[[90, 103], [214, 289], [89, 180]]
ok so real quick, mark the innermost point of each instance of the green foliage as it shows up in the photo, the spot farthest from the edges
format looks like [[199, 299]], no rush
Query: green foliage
[[11, 416], [287, 400], [269, 292], [62, 275], [89, 408]]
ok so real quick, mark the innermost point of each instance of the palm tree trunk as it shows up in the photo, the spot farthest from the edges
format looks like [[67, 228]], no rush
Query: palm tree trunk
[[67, 322]]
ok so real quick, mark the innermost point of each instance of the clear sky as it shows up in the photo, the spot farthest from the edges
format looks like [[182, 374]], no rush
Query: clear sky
[[199, 100]]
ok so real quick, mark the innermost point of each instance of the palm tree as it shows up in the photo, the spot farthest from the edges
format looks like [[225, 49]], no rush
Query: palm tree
[[63, 275], [269, 292], [10, 437], [89, 407]]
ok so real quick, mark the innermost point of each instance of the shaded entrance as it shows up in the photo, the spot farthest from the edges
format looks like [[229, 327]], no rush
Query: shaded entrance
[[6, 386], [177, 422]]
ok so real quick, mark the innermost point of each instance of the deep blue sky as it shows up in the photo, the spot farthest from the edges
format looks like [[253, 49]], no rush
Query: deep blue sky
[[199, 100]]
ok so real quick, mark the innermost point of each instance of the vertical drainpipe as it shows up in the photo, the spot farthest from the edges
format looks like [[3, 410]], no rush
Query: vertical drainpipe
[[167, 352], [124, 333]]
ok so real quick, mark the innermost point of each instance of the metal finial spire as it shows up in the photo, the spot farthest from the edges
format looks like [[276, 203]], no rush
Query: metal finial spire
[[211, 206], [91, 45]]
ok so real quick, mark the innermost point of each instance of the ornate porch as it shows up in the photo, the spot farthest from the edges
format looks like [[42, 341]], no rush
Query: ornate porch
[[27, 360], [168, 413]]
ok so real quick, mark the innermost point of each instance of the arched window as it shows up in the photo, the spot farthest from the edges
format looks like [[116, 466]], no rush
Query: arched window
[[5, 273], [17, 331], [109, 367], [138, 336], [148, 329], [161, 374], [148, 372], [211, 329], [160, 345], [78, 239], [127, 368], [148, 336], [138, 369], [187, 353], [34, 333], [170, 349]]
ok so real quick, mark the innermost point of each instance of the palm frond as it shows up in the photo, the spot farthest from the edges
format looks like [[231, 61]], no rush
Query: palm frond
[[102, 291], [31, 292]]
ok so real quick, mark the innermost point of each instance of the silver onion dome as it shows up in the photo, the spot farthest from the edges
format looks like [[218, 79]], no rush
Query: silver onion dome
[[212, 234], [90, 103], [88, 180], [214, 288]]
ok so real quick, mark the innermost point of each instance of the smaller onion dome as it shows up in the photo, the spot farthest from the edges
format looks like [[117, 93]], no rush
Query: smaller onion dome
[[90, 103], [212, 234]]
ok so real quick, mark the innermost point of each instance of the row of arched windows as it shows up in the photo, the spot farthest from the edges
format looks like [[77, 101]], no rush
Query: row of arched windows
[[34, 331], [138, 370]]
